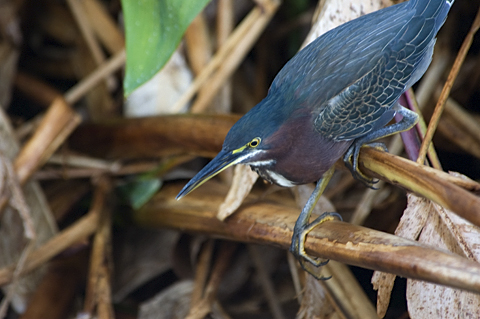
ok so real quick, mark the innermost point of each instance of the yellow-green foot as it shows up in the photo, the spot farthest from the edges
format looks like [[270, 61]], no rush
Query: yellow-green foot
[[310, 264], [351, 161]]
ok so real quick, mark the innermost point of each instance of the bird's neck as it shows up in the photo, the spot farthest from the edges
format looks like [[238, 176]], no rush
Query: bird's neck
[[269, 175]]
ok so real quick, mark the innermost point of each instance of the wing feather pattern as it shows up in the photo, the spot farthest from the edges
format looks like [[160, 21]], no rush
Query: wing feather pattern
[[380, 67]]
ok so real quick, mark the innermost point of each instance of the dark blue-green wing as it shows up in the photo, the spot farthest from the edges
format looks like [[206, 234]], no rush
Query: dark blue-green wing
[[403, 52], [339, 57]]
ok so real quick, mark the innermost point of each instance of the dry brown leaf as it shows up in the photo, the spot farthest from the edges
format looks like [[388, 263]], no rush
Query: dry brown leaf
[[444, 230], [465, 234], [383, 283], [448, 231], [411, 223], [243, 180], [427, 301]]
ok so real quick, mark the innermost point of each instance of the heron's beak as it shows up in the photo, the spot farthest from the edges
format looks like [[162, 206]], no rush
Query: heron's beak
[[222, 161]]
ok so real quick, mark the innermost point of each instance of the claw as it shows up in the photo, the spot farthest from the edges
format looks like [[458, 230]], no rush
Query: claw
[[313, 270], [310, 264], [351, 162]]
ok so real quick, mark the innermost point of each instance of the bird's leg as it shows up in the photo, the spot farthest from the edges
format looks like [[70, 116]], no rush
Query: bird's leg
[[302, 228], [350, 158]]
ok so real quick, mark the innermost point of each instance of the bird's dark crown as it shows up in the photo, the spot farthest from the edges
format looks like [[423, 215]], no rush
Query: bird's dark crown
[[260, 122]]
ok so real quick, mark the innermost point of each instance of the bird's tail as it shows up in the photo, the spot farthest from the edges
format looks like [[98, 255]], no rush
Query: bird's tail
[[436, 9]]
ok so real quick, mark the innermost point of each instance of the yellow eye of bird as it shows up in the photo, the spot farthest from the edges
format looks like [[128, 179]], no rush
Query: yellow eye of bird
[[255, 142]]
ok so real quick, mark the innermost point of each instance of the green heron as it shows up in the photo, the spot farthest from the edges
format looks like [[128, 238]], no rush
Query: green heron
[[332, 97]]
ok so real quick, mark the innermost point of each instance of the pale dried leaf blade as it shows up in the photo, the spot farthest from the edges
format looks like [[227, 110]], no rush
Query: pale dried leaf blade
[[465, 234], [414, 217], [427, 301], [435, 301], [410, 226], [243, 180], [383, 283], [331, 13]]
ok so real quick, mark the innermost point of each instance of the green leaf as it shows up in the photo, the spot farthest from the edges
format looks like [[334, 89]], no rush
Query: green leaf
[[140, 191], [153, 30]]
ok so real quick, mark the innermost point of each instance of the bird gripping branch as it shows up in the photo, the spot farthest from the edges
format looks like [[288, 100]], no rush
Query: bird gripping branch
[[334, 96]]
